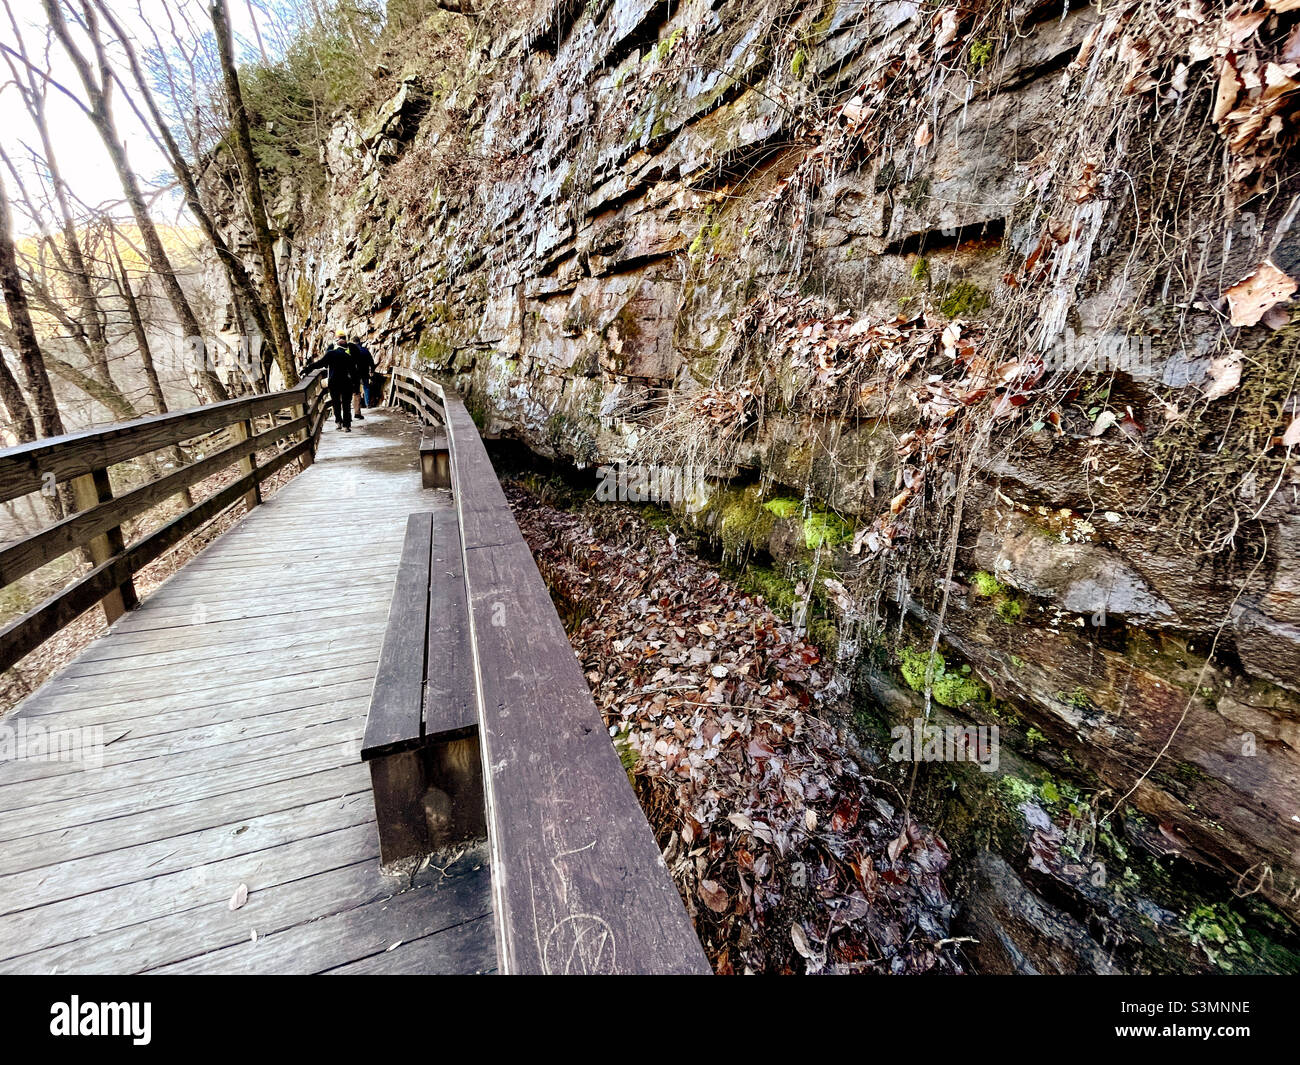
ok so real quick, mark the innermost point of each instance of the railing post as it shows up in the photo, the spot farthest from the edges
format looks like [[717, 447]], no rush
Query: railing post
[[304, 410], [89, 491], [245, 431]]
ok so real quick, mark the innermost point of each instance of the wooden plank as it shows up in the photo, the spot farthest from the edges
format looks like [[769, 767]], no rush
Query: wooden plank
[[89, 491], [438, 901], [579, 884], [127, 742], [393, 723], [187, 933], [94, 707], [356, 632], [462, 950], [38, 818], [53, 846], [32, 888], [206, 887], [180, 768], [450, 710], [485, 517], [40, 623]]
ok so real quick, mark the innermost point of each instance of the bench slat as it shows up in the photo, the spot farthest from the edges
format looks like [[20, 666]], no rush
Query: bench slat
[[393, 723], [449, 708]]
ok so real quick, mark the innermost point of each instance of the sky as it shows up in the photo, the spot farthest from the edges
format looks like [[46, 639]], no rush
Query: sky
[[82, 159]]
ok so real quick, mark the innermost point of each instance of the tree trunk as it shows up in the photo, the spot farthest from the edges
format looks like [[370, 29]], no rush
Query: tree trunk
[[20, 320], [20, 414], [274, 298]]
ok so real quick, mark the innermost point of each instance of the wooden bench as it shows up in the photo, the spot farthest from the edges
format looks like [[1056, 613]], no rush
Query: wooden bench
[[578, 881], [435, 460], [421, 738]]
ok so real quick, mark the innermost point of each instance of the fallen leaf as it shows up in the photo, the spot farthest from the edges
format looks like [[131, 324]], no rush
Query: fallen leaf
[[1263, 288], [715, 898], [239, 897], [800, 941], [1104, 421], [897, 846], [1225, 375], [1291, 438]]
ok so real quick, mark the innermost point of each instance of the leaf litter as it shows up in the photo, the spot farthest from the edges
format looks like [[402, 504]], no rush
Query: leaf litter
[[788, 855]]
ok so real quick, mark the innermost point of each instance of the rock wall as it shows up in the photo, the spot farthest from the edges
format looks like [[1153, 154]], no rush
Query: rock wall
[[830, 249]]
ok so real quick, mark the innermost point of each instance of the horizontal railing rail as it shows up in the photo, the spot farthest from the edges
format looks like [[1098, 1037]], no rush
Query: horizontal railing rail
[[84, 459], [578, 881]]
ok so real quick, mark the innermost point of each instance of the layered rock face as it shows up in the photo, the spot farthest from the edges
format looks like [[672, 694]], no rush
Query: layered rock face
[[835, 251]]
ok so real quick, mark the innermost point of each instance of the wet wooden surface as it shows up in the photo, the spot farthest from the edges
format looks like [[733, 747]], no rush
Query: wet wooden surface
[[229, 710]]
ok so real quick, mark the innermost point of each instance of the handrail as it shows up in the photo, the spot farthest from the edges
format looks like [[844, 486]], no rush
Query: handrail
[[575, 888], [84, 459]]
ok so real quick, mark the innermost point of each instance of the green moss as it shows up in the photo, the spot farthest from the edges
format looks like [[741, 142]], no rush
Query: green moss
[[951, 689], [964, 297], [1010, 610], [745, 524], [783, 507], [798, 63], [986, 584], [921, 269], [823, 529], [980, 53]]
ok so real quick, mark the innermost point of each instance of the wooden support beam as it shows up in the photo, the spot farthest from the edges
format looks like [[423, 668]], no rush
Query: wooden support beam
[[89, 491], [240, 432]]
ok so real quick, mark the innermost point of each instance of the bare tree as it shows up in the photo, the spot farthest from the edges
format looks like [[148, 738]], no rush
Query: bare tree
[[96, 381], [256, 205], [98, 81], [240, 281], [20, 413], [91, 324]]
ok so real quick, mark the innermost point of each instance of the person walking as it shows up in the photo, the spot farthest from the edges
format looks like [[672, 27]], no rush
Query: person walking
[[364, 366], [340, 363]]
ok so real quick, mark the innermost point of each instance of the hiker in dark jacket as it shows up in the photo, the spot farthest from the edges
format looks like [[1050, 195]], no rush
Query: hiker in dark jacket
[[341, 365], [364, 365]]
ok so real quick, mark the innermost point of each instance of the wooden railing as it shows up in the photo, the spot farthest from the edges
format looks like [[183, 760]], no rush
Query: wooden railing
[[578, 882], [421, 396], [84, 459]]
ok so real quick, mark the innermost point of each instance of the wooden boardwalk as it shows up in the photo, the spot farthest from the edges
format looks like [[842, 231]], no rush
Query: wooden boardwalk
[[232, 705]]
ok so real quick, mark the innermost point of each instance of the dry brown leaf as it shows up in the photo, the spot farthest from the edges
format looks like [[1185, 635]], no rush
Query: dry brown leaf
[[923, 134], [1225, 375], [946, 31], [800, 941], [1291, 438], [1229, 86], [1263, 288], [715, 898], [897, 846]]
